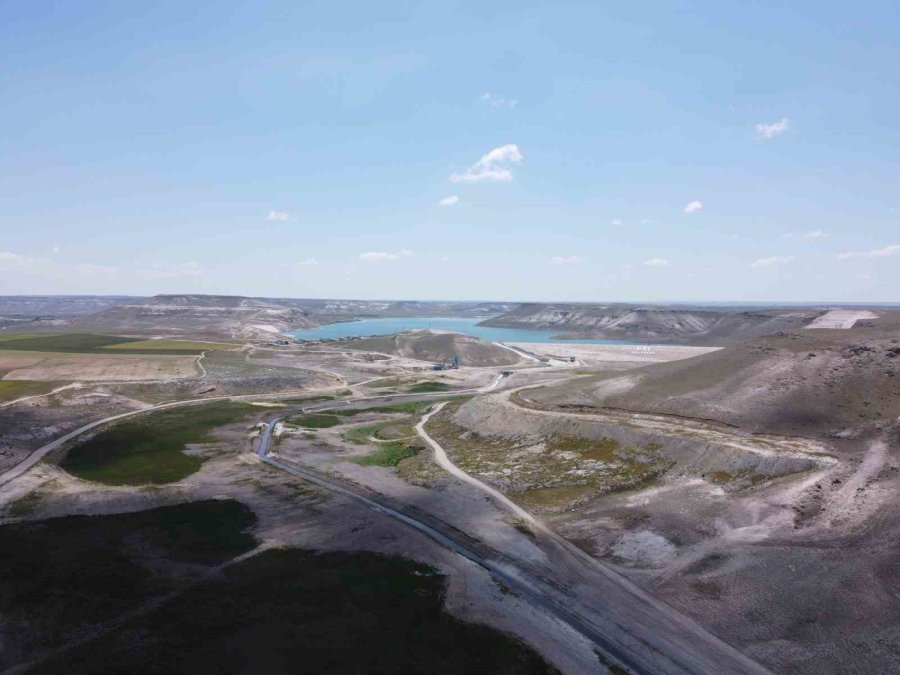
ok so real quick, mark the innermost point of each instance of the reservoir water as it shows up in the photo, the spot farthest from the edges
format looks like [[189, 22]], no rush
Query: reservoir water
[[388, 325]]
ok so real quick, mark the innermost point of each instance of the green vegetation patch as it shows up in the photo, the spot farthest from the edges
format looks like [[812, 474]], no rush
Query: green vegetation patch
[[388, 454], [13, 389], [179, 346], [289, 610], [315, 421], [426, 387], [89, 343], [60, 578], [150, 449], [552, 473]]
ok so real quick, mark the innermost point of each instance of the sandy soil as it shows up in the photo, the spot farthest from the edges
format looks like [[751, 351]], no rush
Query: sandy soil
[[600, 354], [841, 318], [103, 368]]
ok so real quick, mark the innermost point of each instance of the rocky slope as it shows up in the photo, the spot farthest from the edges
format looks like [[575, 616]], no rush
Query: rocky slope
[[218, 315], [436, 346], [694, 325]]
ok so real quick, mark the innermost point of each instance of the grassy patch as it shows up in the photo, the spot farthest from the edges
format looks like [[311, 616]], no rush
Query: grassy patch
[[426, 387], [13, 389], [90, 343], [290, 610], [171, 345], [315, 421], [150, 449], [61, 577], [388, 454], [550, 473]]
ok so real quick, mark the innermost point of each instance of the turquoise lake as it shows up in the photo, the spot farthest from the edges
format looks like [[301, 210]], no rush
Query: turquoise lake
[[386, 326]]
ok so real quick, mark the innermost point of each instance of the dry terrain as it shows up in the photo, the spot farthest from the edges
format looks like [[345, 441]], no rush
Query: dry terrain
[[754, 488]]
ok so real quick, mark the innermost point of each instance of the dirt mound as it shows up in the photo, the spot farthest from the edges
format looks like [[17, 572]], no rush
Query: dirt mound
[[818, 386], [437, 346]]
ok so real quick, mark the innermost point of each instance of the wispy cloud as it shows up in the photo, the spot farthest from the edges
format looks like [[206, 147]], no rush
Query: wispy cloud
[[772, 261], [278, 216], [690, 207], [309, 262], [812, 235], [656, 262], [452, 200], [495, 101], [768, 131], [564, 260], [494, 166], [615, 221], [383, 256], [886, 252]]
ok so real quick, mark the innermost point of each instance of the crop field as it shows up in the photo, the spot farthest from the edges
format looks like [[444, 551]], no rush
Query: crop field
[[104, 367], [176, 346], [291, 610], [59, 578], [89, 343], [315, 421], [150, 450], [13, 389]]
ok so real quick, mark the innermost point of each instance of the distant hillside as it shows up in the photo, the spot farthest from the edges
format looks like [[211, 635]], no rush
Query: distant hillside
[[218, 315], [694, 325], [31, 306], [436, 346], [344, 309], [835, 383]]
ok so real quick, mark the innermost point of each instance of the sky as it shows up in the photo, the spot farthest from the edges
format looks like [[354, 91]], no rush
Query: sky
[[568, 151]]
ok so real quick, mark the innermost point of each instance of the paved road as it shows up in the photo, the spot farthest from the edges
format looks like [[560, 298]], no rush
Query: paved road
[[37, 455], [691, 646], [527, 589]]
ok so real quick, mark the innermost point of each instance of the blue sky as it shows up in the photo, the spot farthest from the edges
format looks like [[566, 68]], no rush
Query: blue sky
[[634, 152]]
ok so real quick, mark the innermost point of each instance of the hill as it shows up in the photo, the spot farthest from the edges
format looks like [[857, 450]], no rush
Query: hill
[[215, 315], [436, 346], [671, 324], [816, 383]]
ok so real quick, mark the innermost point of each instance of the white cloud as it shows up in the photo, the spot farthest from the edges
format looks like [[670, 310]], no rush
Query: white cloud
[[383, 256], [497, 101], [56, 250], [445, 258], [452, 200], [768, 131], [886, 252], [615, 221], [564, 260], [693, 206], [647, 221], [772, 261], [309, 262], [279, 216], [656, 262], [812, 235], [492, 166]]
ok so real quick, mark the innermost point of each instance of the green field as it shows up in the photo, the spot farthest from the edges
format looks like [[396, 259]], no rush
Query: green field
[[314, 421], [13, 389], [388, 454], [171, 345], [290, 611], [149, 450], [61, 577], [89, 343], [427, 387]]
